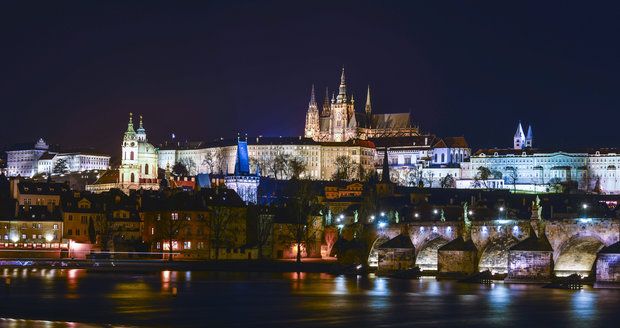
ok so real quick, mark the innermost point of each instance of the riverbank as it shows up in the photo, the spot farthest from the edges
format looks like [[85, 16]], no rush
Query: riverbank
[[158, 265]]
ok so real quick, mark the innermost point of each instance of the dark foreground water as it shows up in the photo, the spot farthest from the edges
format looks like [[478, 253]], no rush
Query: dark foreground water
[[50, 298]]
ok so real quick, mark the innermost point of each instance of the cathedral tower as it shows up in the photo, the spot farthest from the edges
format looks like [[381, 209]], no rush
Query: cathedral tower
[[341, 112], [312, 117]]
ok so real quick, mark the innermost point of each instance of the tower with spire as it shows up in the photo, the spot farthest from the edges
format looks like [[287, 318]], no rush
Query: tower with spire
[[519, 138], [522, 140], [341, 111], [138, 169], [368, 107], [312, 117], [338, 121], [242, 181], [529, 137]]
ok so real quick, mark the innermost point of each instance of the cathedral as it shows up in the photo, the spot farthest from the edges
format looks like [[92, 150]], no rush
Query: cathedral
[[339, 122]]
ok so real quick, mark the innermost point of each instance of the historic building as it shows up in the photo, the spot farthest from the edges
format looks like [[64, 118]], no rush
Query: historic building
[[338, 121], [524, 168], [26, 160], [241, 181], [138, 169], [271, 155]]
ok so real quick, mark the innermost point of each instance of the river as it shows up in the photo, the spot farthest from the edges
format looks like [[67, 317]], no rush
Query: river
[[76, 298]]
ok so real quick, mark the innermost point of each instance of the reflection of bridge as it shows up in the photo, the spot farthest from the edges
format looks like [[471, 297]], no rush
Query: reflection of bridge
[[575, 242]]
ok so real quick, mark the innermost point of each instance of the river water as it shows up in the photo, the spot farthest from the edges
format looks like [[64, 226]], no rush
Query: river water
[[76, 298]]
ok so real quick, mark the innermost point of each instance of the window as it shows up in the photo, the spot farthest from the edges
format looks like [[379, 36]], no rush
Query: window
[[69, 232], [77, 232], [152, 231], [187, 245], [131, 155], [146, 169], [55, 227], [132, 178]]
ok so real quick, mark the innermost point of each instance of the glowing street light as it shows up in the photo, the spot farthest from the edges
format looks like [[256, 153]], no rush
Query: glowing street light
[[501, 209], [416, 215], [584, 206], [435, 211], [382, 224], [470, 212], [382, 213]]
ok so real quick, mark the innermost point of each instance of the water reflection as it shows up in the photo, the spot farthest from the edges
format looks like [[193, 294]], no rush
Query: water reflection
[[172, 298]]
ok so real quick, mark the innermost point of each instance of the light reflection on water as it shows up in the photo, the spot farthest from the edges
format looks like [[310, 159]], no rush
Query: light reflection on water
[[169, 298]]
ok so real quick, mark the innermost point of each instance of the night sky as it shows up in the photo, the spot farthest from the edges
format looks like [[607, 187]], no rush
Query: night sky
[[70, 71]]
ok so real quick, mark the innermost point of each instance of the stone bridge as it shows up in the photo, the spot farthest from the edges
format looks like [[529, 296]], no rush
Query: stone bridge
[[575, 242]]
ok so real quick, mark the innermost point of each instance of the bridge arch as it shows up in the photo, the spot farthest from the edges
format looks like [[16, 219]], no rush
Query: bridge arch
[[373, 255], [427, 255], [577, 255], [494, 256]]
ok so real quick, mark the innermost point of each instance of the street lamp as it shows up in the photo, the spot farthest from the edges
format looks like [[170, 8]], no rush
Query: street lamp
[[382, 224]]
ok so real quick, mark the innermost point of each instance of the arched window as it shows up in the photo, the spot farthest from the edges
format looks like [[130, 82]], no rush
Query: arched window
[[131, 156], [132, 179], [443, 158], [146, 169]]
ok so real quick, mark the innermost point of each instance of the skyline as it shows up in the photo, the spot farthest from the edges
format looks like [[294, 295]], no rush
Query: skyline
[[212, 70]]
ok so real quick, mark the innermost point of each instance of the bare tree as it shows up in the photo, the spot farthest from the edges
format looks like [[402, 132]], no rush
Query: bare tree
[[167, 230], [104, 229], [189, 164], [345, 169], [264, 232], [222, 228], [213, 161], [513, 175], [297, 166], [448, 182]]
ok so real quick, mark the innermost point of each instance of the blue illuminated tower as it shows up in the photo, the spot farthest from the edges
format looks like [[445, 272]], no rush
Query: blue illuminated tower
[[242, 182]]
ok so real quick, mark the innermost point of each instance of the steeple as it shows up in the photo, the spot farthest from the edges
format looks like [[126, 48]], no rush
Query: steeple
[[141, 133], [130, 125], [519, 138], [529, 137], [342, 90], [385, 172], [130, 134], [368, 106], [326, 109], [312, 98]]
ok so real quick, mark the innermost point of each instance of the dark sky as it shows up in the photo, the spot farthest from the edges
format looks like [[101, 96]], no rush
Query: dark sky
[[70, 71]]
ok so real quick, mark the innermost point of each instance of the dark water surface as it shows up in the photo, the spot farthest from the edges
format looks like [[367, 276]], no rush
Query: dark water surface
[[76, 298]]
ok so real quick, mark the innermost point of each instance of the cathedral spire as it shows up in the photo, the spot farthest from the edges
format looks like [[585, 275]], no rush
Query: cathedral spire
[[312, 97], [368, 106], [326, 111], [342, 90], [141, 127]]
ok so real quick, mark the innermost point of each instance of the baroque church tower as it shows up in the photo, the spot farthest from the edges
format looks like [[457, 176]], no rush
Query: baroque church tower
[[139, 158]]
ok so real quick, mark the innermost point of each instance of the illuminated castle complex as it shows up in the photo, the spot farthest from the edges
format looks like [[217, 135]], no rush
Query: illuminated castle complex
[[338, 121]]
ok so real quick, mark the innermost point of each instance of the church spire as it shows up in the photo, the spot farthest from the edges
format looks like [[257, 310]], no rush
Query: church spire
[[130, 124], [368, 106], [326, 111], [141, 127], [312, 98], [342, 90]]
